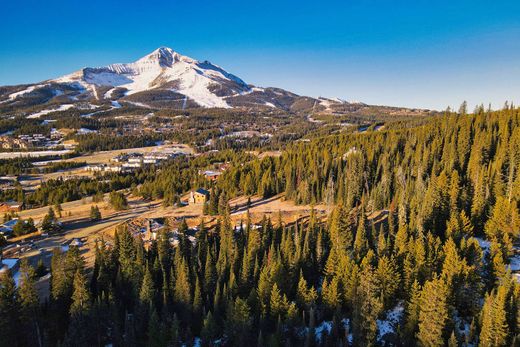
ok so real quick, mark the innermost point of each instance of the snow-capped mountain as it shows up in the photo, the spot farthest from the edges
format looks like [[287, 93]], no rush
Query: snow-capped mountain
[[202, 82], [163, 78]]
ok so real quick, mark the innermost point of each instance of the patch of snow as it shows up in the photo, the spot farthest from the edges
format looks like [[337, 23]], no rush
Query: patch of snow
[[514, 263], [25, 91], [88, 115], [116, 104], [140, 104], [484, 244], [388, 325], [87, 106], [324, 326], [312, 120], [341, 101], [346, 326], [10, 155], [63, 107], [108, 94], [83, 131], [105, 78]]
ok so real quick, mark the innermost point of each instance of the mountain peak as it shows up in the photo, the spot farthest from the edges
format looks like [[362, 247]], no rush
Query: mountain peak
[[165, 57], [165, 77]]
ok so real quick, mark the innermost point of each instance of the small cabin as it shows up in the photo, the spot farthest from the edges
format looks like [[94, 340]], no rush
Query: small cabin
[[11, 206], [198, 197], [211, 175]]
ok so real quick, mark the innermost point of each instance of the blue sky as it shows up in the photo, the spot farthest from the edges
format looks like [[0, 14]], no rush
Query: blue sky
[[418, 53]]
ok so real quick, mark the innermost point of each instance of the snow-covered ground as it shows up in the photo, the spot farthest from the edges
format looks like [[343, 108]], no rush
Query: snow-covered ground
[[514, 261], [63, 107], [325, 326], [140, 104], [484, 244], [388, 325], [10, 155], [83, 131], [25, 91]]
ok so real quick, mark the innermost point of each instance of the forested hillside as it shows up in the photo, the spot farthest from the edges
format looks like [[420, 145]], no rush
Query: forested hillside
[[431, 270]]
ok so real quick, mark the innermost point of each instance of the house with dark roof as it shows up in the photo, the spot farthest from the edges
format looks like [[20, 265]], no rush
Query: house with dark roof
[[198, 197]]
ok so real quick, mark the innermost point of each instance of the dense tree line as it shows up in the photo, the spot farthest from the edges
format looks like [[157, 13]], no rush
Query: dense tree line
[[476, 156], [107, 142], [181, 175], [24, 165], [423, 225], [274, 284], [57, 191]]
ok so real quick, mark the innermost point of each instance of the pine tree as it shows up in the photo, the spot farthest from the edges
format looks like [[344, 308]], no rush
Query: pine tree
[[182, 287], [147, 292], [331, 295], [49, 222], [58, 209], [381, 243], [495, 330], [238, 322], [80, 295], [433, 314], [95, 214], [305, 297], [209, 330], [367, 307], [29, 302], [413, 307], [452, 342], [9, 310], [155, 334], [278, 304], [361, 241], [389, 280]]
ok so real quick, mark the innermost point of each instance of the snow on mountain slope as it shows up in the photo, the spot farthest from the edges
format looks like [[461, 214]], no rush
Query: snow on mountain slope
[[44, 112], [163, 69]]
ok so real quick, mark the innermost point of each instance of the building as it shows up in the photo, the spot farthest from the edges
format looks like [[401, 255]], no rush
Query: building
[[120, 158], [198, 197], [11, 206], [211, 175]]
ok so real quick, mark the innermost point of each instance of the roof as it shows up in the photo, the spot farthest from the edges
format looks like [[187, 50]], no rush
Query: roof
[[212, 173], [202, 191], [10, 223], [12, 203]]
